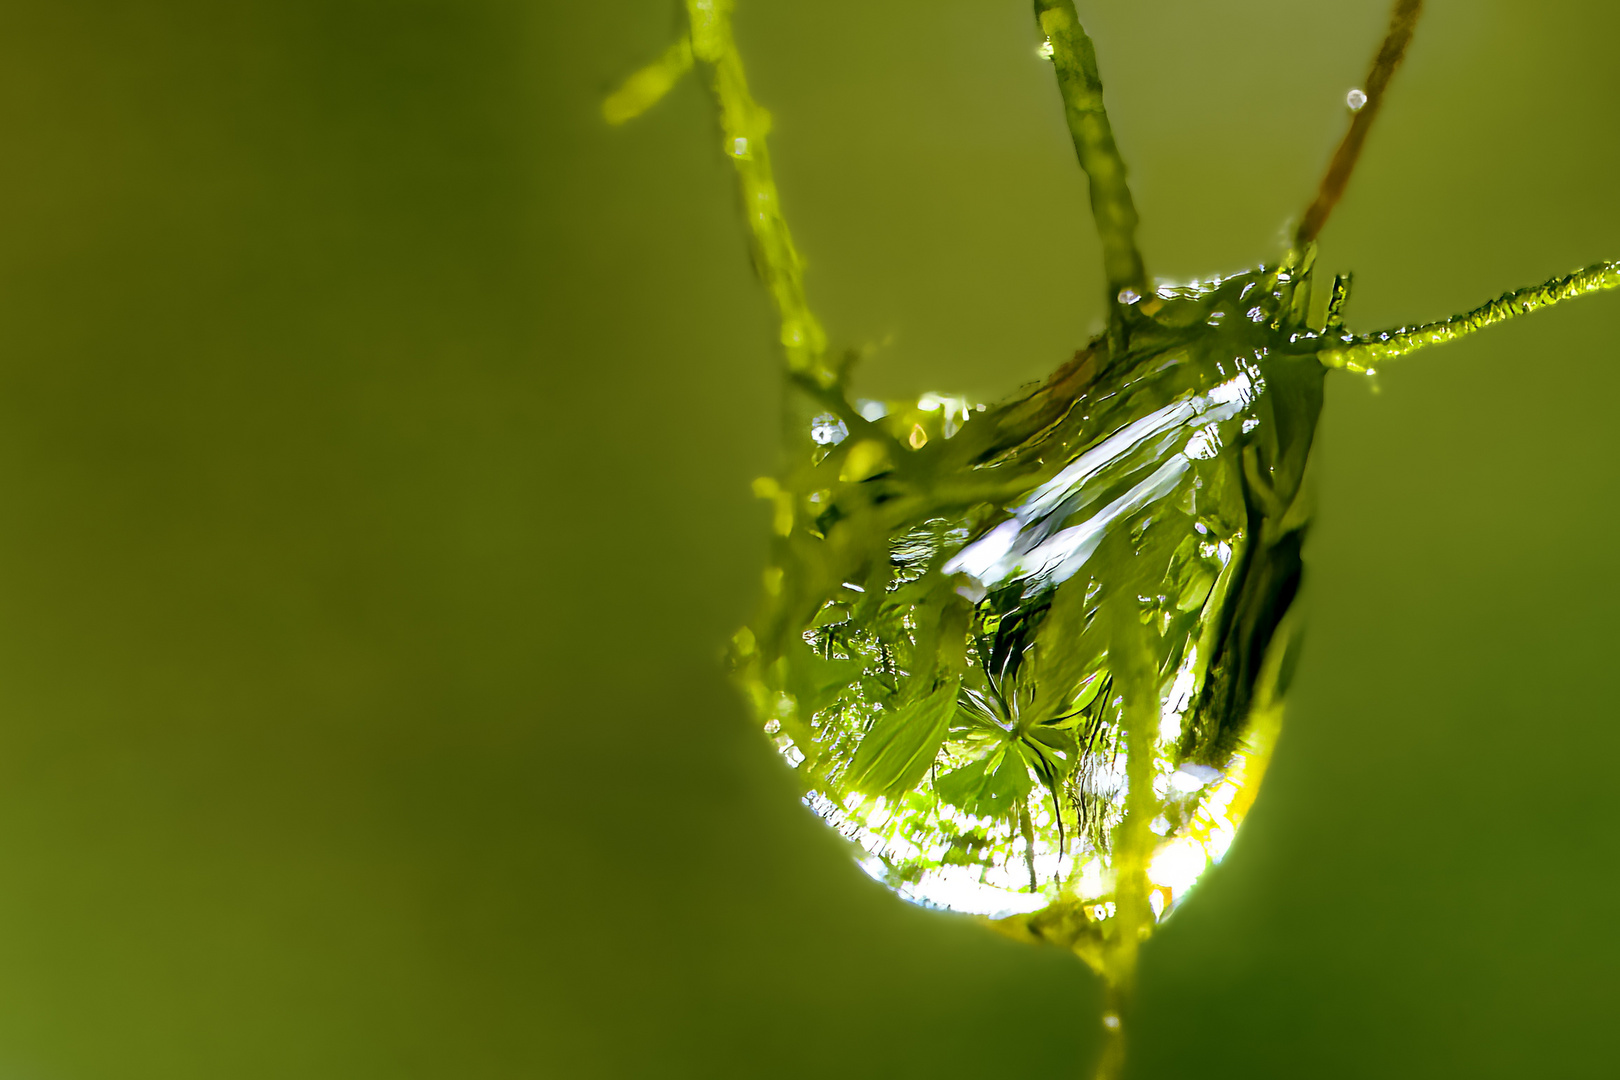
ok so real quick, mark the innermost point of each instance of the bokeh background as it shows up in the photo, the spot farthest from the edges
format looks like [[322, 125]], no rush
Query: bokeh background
[[376, 429]]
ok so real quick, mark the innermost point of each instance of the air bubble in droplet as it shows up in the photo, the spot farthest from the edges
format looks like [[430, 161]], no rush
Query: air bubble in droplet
[[1356, 99]]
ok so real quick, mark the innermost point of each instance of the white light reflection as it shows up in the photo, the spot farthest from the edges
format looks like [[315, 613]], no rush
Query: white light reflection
[[1025, 547], [1178, 864]]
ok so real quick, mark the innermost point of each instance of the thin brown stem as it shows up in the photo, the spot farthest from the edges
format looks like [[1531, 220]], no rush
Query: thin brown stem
[[1402, 22]]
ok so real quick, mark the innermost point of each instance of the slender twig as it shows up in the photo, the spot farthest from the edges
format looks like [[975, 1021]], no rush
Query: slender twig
[[1362, 352], [647, 87], [1402, 22], [1075, 59], [1130, 658], [744, 125]]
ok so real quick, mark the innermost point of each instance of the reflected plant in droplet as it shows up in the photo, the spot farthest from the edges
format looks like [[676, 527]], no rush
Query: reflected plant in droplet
[[1031, 655]]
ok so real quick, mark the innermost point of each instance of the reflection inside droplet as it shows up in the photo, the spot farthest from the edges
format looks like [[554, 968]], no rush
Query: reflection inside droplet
[[1025, 778]]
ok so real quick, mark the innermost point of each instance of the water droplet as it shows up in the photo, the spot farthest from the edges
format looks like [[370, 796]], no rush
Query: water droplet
[[1045, 50], [827, 429], [1129, 296], [1111, 1021], [739, 146], [919, 437], [1356, 99]]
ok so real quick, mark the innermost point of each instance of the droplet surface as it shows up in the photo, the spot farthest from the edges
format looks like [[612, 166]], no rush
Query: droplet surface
[[956, 704], [1356, 99]]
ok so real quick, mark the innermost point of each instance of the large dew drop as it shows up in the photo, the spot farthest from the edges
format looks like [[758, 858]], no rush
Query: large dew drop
[[1012, 648]]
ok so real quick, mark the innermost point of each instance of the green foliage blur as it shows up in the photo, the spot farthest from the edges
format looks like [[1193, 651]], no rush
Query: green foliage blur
[[376, 432]]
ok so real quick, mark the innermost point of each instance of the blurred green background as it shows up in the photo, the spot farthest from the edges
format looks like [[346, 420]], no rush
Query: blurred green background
[[375, 436]]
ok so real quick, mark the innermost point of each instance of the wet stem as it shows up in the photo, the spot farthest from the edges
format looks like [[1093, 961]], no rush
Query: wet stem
[[1135, 673]]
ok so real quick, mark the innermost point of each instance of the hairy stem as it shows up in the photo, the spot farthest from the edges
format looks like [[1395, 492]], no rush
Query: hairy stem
[[1402, 22], [648, 86], [744, 125], [1111, 1061], [1111, 207], [1362, 352], [1133, 841]]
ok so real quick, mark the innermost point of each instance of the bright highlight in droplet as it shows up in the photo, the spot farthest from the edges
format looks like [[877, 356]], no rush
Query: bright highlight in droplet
[[1178, 864], [1045, 50], [739, 146], [1356, 99]]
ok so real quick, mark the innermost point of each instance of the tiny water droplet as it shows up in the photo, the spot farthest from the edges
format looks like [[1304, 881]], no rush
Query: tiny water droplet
[[739, 146], [1045, 50], [1356, 99], [1111, 1021], [1129, 296], [826, 429]]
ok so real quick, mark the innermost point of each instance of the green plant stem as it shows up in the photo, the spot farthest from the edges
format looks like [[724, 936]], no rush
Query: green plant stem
[[1362, 352], [1111, 206], [1133, 840], [744, 126], [647, 87], [1111, 1059]]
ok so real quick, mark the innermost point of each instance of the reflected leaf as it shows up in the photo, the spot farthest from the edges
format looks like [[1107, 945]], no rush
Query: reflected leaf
[[991, 787], [898, 751]]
